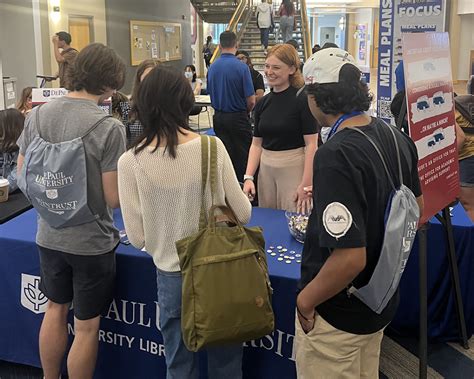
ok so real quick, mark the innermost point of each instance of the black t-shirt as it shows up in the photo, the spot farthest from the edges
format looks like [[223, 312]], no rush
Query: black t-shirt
[[282, 119], [257, 80], [349, 176]]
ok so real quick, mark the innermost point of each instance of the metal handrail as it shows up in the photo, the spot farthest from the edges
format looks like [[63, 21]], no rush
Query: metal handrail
[[243, 10], [305, 30]]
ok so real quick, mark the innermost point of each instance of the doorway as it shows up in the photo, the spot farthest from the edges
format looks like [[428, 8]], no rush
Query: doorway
[[327, 34], [81, 29]]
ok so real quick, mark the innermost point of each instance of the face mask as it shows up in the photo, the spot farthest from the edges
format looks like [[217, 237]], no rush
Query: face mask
[[324, 132], [188, 75]]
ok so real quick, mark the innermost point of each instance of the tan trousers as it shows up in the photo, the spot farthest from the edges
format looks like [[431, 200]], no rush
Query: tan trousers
[[279, 176], [329, 353]]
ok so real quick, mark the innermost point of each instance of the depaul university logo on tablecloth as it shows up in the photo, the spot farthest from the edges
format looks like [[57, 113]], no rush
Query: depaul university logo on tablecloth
[[31, 296]]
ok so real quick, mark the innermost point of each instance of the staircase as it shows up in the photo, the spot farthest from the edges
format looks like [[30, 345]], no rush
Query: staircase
[[215, 12], [250, 41]]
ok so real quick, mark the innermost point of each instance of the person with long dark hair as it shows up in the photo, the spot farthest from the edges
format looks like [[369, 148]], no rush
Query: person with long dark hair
[[159, 179], [208, 50], [132, 124], [287, 19], [11, 126], [24, 105]]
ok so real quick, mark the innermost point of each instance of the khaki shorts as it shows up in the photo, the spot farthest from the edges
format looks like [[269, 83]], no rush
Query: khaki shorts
[[327, 352]]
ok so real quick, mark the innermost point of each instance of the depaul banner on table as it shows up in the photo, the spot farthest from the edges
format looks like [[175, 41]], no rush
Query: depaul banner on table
[[397, 17], [431, 119], [45, 95]]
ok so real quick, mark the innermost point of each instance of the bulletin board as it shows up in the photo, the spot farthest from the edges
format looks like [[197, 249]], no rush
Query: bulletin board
[[159, 40]]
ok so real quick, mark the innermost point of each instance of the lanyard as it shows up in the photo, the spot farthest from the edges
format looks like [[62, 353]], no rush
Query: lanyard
[[340, 120]]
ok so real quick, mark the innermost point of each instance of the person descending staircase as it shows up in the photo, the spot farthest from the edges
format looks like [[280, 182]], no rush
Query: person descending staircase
[[251, 43]]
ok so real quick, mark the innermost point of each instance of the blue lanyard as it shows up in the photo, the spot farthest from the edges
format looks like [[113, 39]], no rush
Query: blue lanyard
[[340, 120]]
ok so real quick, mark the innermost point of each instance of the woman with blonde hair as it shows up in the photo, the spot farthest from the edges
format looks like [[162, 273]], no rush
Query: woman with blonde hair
[[133, 126], [285, 137], [24, 105]]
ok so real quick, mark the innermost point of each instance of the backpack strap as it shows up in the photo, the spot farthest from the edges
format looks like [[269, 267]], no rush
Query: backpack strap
[[213, 173], [400, 172], [38, 120], [96, 125], [379, 153], [204, 170], [87, 132]]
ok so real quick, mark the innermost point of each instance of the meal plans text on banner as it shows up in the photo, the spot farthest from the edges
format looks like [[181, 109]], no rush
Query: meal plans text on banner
[[397, 17]]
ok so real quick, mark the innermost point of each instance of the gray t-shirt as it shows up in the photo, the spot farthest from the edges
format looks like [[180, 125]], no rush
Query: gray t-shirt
[[62, 120]]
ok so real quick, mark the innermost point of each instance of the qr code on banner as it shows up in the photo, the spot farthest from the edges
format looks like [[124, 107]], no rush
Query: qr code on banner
[[384, 109]]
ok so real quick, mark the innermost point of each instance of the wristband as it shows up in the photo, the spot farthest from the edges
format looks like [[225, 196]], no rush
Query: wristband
[[248, 177]]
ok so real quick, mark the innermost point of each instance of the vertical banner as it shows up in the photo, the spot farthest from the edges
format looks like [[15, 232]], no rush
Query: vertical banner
[[431, 119], [397, 17]]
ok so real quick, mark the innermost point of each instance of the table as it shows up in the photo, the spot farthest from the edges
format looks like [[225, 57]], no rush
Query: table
[[131, 345], [17, 204], [202, 100]]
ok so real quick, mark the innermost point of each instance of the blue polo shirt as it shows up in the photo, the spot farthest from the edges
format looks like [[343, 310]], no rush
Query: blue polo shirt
[[229, 83]]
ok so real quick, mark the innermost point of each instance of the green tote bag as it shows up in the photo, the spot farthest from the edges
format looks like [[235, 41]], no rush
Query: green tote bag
[[226, 293]]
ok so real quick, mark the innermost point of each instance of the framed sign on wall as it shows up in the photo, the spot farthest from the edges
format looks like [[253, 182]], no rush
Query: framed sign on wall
[[158, 40]]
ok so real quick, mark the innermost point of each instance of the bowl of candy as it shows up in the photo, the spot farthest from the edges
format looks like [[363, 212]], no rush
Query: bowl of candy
[[297, 223]]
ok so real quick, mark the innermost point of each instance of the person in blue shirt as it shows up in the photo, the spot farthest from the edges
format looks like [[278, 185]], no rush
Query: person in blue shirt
[[230, 86]]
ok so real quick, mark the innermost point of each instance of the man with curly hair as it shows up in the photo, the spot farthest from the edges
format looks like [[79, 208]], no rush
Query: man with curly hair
[[338, 336], [77, 263]]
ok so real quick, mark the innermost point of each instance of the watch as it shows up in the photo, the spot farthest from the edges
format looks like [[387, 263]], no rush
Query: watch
[[248, 177]]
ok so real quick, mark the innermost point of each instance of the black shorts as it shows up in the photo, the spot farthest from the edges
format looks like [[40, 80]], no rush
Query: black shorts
[[86, 280]]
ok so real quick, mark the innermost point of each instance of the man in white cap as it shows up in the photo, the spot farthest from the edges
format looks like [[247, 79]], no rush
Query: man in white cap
[[337, 335]]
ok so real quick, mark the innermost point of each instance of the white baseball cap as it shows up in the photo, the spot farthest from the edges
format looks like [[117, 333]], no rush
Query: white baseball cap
[[325, 65]]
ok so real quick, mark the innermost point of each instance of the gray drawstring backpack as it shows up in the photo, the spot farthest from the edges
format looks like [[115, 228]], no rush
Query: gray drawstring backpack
[[401, 223], [54, 179]]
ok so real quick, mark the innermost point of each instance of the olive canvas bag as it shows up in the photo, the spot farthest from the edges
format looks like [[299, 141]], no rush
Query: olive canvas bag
[[226, 292]]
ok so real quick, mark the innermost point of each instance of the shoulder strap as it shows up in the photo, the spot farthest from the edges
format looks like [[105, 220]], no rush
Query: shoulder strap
[[38, 120], [88, 131], [403, 112], [399, 161], [96, 125], [213, 168], [379, 153], [204, 170]]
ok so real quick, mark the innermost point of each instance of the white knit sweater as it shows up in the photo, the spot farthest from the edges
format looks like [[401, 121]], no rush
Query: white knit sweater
[[160, 197]]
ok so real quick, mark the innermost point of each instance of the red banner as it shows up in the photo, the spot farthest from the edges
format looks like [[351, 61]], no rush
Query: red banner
[[430, 112]]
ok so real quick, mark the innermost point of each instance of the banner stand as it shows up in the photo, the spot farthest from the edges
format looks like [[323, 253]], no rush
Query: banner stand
[[445, 220], [423, 280]]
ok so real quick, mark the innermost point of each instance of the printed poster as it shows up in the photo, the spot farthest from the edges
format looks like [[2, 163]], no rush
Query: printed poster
[[431, 119], [397, 17]]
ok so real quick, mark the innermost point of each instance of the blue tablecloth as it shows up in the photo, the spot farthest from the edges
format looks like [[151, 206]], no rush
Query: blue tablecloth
[[442, 321], [131, 344]]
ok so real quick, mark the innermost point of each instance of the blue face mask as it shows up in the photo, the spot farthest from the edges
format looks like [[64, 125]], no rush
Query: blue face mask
[[188, 74]]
